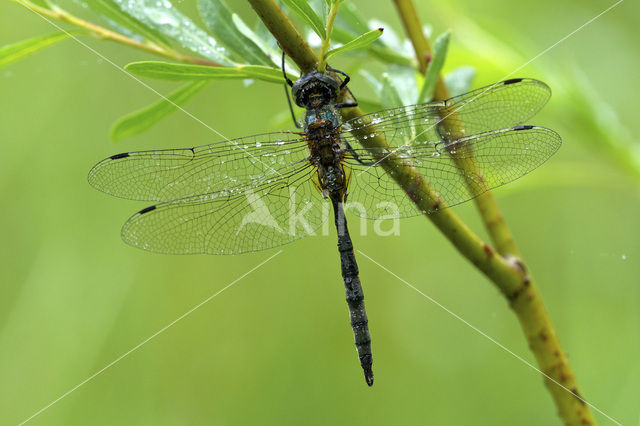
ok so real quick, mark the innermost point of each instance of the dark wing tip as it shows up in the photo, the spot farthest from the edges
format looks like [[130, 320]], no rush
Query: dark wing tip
[[147, 209], [512, 81], [119, 156], [523, 127]]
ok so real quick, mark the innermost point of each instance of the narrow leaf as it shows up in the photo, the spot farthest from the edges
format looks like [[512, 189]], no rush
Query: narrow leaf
[[389, 96], [304, 11], [270, 74], [405, 82], [273, 53], [381, 51], [349, 16], [375, 84], [164, 17], [140, 121], [43, 3], [357, 43], [182, 72], [218, 18], [391, 39], [459, 80], [114, 13], [14, 52], [435, 66], [321, 7]]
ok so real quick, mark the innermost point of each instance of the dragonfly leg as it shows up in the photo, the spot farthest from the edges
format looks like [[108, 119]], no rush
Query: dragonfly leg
[[286, 91], [357, 157], [343, 85], [284, 73]]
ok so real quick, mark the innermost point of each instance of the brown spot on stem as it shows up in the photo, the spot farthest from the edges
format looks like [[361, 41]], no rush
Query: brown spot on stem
[[513, 296], [543, 336], [515, 261], [488, 250], [520, 265], [574, 391]]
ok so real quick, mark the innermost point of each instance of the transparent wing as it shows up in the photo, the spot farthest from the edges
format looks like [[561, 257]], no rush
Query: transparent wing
[[169, 174], [502, 156], [233, 221], [497, 106]]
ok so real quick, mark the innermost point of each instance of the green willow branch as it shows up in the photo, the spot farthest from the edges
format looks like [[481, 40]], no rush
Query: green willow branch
[[531, 312], [506, 272], [510, 278], [489, 211], [326, 43], [100, 32]]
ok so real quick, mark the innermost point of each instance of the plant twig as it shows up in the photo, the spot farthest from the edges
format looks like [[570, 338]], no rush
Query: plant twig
[[508, 275], [490, 212], [290, 40], [326, 43], [527, 304], [106, 34]]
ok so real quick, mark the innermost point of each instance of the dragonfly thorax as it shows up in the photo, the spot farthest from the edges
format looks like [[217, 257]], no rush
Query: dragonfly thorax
[[321, 120]]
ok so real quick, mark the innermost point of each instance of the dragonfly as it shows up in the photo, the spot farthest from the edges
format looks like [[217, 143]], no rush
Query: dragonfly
[[262, 191]]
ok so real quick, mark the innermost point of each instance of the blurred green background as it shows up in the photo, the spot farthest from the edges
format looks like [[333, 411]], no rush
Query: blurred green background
[[276, 348]]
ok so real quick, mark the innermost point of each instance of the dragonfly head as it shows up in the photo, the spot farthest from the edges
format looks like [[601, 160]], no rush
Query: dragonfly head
[[315, 89]]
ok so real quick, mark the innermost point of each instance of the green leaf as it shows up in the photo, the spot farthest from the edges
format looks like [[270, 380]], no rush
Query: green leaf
[[270, 74], [272, 53], [391, 39], [349, 24], [389, 96], [184, 72], [304, 11], [220, 22], [459, 80], [139, 121], [272, 50], [43, 3], [14, 52], [349, 17], [377, 49], [357, 43], [111, 11], [405, 82], [321, 7], [435, 66], [167, 19]]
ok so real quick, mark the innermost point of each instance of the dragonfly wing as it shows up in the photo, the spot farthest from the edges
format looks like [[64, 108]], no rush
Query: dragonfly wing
[[501, 105], [169, 174], [500, 157], [234, 221]]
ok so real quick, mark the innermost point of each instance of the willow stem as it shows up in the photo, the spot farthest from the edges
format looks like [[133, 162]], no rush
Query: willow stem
[[507, 273], [527, 304]]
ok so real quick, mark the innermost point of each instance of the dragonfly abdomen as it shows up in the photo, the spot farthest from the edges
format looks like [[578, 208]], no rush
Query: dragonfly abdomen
[[354, 293]]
